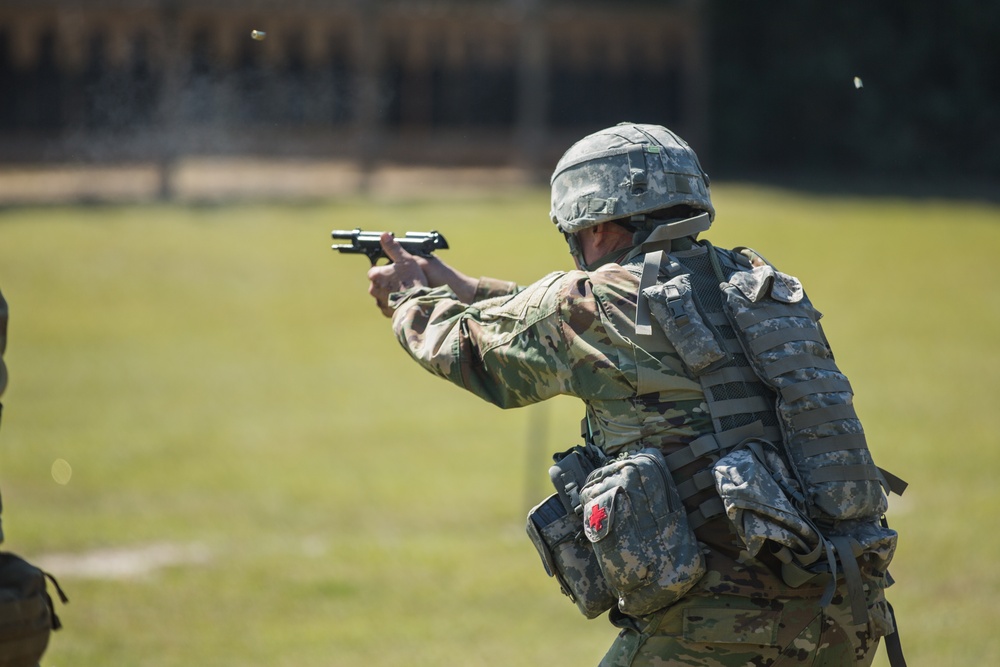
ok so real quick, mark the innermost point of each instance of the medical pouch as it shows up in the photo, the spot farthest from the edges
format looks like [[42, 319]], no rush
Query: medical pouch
[[569, 557], [673, 307], [639, 529]]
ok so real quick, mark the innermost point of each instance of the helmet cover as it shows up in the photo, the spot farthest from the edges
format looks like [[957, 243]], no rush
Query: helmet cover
[[626, 170]]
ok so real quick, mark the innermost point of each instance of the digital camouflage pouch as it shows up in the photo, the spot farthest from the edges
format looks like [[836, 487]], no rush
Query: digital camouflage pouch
[[824, 440], [569, 557], [672, 305], [633, 516]]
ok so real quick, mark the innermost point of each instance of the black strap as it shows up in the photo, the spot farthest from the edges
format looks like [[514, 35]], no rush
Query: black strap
[[895, 484], [847, 551], [893, 647]]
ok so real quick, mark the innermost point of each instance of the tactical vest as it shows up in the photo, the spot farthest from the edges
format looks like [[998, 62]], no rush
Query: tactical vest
[[781, 410]]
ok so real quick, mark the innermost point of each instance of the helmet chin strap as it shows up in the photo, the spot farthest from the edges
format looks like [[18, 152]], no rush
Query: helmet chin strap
[[575, 250], [659, 238]]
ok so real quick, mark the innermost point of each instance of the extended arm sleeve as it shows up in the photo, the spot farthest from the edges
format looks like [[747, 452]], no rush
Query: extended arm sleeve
[[508, 350]]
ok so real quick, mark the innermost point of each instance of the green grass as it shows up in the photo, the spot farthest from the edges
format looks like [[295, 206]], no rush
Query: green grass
[[218, 378]]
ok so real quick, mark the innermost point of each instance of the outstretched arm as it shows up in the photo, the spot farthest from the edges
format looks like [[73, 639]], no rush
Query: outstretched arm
[[407, 271]]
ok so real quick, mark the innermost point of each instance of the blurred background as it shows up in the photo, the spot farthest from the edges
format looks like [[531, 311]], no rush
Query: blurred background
[[852, 94], [211, 437]]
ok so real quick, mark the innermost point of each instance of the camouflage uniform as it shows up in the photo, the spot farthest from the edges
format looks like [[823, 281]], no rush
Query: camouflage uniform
[[569, 333]]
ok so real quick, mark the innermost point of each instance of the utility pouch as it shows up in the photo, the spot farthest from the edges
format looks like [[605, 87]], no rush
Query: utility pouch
[[763, 501], [634, 518], [569, 557], [672, 306]]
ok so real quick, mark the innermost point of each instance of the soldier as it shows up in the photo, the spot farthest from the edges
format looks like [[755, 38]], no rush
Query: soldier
[[631, 201], [3, 370], [26, 614]]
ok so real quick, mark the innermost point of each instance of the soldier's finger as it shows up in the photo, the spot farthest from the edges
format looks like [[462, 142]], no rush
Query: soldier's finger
[[393, 250]]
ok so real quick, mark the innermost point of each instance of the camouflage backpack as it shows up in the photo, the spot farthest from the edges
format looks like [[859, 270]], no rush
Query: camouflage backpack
[[788, 454]]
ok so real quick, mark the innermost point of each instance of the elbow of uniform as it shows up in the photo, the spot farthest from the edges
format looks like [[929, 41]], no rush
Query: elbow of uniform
[[492, 392]]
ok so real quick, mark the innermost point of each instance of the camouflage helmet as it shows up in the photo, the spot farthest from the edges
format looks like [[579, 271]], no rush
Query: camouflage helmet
[[624, 171]]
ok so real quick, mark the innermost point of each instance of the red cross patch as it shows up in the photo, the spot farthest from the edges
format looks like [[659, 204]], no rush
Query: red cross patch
[[597, 517]]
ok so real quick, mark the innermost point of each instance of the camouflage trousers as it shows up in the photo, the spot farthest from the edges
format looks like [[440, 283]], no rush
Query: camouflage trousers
[[731, 631]]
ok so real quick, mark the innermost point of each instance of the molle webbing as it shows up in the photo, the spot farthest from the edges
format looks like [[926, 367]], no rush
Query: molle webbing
[[773, 371], [823, 437], [734, 394], [740, 405]]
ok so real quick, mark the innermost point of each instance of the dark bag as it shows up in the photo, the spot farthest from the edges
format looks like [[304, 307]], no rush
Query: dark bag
[[27, 617]]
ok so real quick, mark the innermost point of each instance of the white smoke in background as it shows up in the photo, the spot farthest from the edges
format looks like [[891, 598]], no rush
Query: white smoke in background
[[139, 110]]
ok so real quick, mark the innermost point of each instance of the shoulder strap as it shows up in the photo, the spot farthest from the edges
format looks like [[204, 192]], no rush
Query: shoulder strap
[[650, 273]]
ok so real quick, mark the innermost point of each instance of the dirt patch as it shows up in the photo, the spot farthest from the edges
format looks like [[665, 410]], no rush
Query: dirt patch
[[124, 562]]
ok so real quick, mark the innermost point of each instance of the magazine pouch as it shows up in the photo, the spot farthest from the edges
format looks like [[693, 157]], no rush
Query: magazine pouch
[[569, 557], [673, 306]]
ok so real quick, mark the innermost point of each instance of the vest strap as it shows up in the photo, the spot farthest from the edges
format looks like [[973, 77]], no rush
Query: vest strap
[[848, 551], [760, 313], [797, 361], [893, 647], [773, 339], [727, 375], [708, 510], [738, 406], [830, 413], [833, 443], [650, 273], [711, 443], [844, 474], [701, 480], [894, 484], [828, 385]]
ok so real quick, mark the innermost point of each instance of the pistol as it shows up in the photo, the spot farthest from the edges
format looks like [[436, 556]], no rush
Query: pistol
[[367, 243]]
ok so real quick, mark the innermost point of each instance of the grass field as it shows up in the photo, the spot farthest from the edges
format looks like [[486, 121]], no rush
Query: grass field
[[213, 440]]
